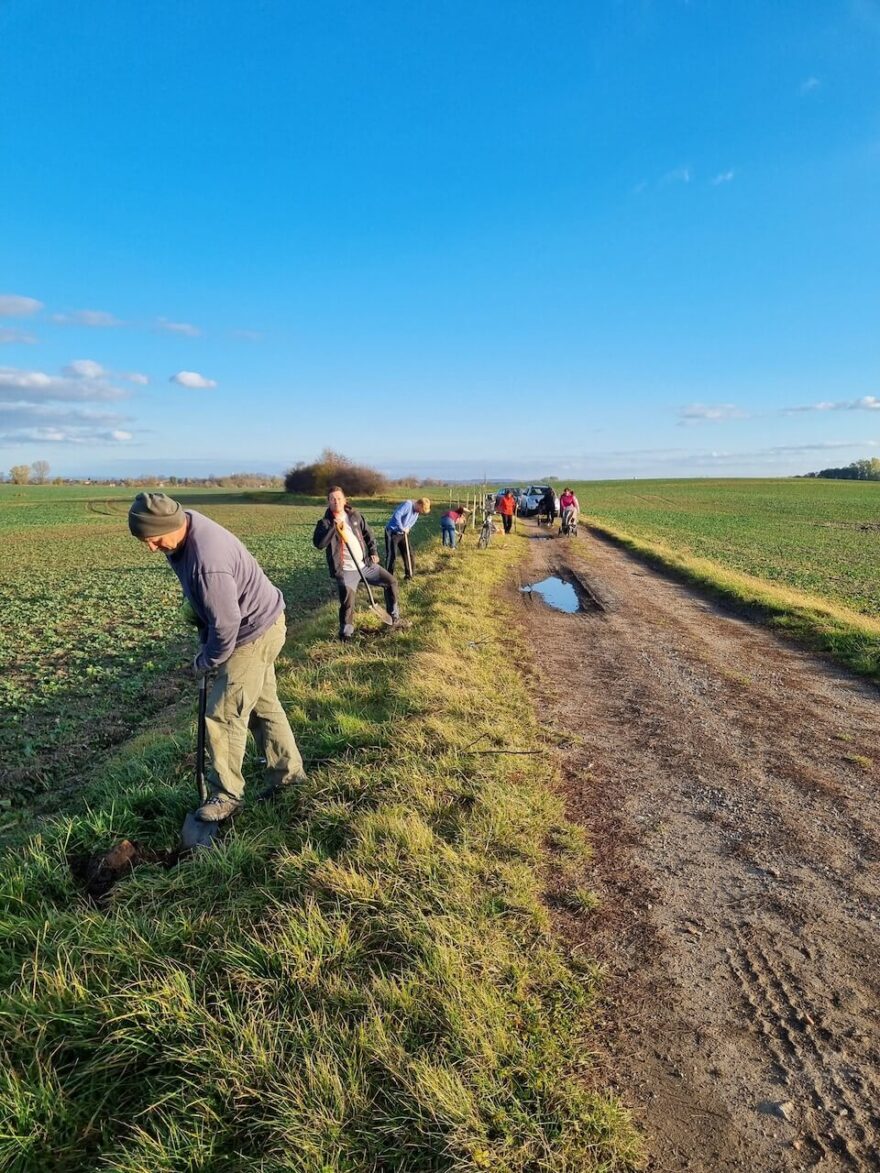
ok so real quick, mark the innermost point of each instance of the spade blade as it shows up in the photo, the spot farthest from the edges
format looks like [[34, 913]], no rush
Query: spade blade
[[196, 834]]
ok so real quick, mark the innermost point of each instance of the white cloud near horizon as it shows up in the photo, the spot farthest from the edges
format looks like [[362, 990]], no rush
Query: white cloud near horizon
[[35, 406], [863, 403], [24, 414], [16, 383], [698, 413], [96, 319], [193, 380], [8, 334], [13, 305], [185, 328], [58, 435], [723, 177]]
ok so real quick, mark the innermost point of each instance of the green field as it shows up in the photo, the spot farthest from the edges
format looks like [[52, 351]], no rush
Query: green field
[[91, 648], [818, 536]]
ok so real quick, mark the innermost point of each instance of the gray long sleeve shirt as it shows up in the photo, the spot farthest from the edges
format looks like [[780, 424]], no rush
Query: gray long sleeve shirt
[[233, 599]]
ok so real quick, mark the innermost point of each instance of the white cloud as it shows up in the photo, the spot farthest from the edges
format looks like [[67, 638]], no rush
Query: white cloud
[[35, 407], [99, 319], [84, 368], [810, 84], [696, 413], [864, 403], [12, 335], [87, 368], [185, 328], [12, 305], [687, 459], [61, 435], [677, 175], [822, 446], [16, 384], [723, 177], [192, 379], [24, 414]]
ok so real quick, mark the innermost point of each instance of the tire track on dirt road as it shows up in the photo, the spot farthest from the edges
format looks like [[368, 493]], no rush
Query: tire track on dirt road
[[728, 781]]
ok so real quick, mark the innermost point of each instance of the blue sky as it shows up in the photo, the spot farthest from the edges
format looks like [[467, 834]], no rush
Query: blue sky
[[615, 238]]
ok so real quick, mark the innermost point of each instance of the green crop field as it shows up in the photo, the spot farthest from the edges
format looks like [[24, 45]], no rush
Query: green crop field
[[91, 646], [818, 536]]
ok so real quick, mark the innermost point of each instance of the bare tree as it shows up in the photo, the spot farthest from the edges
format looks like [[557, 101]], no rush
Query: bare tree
[[20, 474], [41, 471]]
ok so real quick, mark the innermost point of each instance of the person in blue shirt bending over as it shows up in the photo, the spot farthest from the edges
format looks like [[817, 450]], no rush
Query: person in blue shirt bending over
[[399, 524]]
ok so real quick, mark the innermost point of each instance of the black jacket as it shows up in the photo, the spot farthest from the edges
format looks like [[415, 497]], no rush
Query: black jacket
[[326, 538]]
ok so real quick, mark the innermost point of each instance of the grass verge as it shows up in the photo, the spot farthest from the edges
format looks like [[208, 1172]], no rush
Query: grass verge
[[846, 636], [362, 977]]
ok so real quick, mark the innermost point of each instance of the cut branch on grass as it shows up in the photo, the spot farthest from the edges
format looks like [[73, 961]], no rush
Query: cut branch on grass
[[524, 752]]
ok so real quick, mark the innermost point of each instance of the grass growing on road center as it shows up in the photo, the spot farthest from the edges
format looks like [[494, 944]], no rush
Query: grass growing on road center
[[361, 978]]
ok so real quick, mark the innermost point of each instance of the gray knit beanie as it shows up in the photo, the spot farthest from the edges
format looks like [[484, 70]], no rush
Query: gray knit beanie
[[154, 514]]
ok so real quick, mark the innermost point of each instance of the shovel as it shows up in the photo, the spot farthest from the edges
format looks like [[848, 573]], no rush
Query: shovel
[[409, 565], [194, 833], [374, 606]]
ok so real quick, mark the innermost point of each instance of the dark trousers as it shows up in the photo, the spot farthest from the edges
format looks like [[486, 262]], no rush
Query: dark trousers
[[507, 518], [347, 585], [396, 546]]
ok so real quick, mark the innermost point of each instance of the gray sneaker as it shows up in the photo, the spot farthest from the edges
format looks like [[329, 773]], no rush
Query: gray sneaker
[[217, 808]]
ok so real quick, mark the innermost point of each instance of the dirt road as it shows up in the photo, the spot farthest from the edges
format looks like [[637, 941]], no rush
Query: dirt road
[[729, 783]]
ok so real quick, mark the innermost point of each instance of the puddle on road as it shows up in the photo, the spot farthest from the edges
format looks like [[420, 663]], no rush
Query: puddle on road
[[556, 593]]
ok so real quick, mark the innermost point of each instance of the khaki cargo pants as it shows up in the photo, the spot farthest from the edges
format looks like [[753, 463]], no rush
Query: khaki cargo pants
[[243, 695]]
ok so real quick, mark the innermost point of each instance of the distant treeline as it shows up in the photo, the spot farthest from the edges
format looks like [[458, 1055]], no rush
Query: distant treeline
[[237, 480], [859, 470]]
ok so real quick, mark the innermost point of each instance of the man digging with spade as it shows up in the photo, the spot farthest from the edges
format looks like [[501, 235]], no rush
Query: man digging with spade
[[352, 556], [240, 616]]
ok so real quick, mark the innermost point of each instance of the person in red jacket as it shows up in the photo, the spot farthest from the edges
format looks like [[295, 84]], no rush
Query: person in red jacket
[[507, 508]]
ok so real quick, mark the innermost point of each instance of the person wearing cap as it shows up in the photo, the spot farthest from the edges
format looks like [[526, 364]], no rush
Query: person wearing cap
[[348, 541], [399, 524], [240, 616]]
